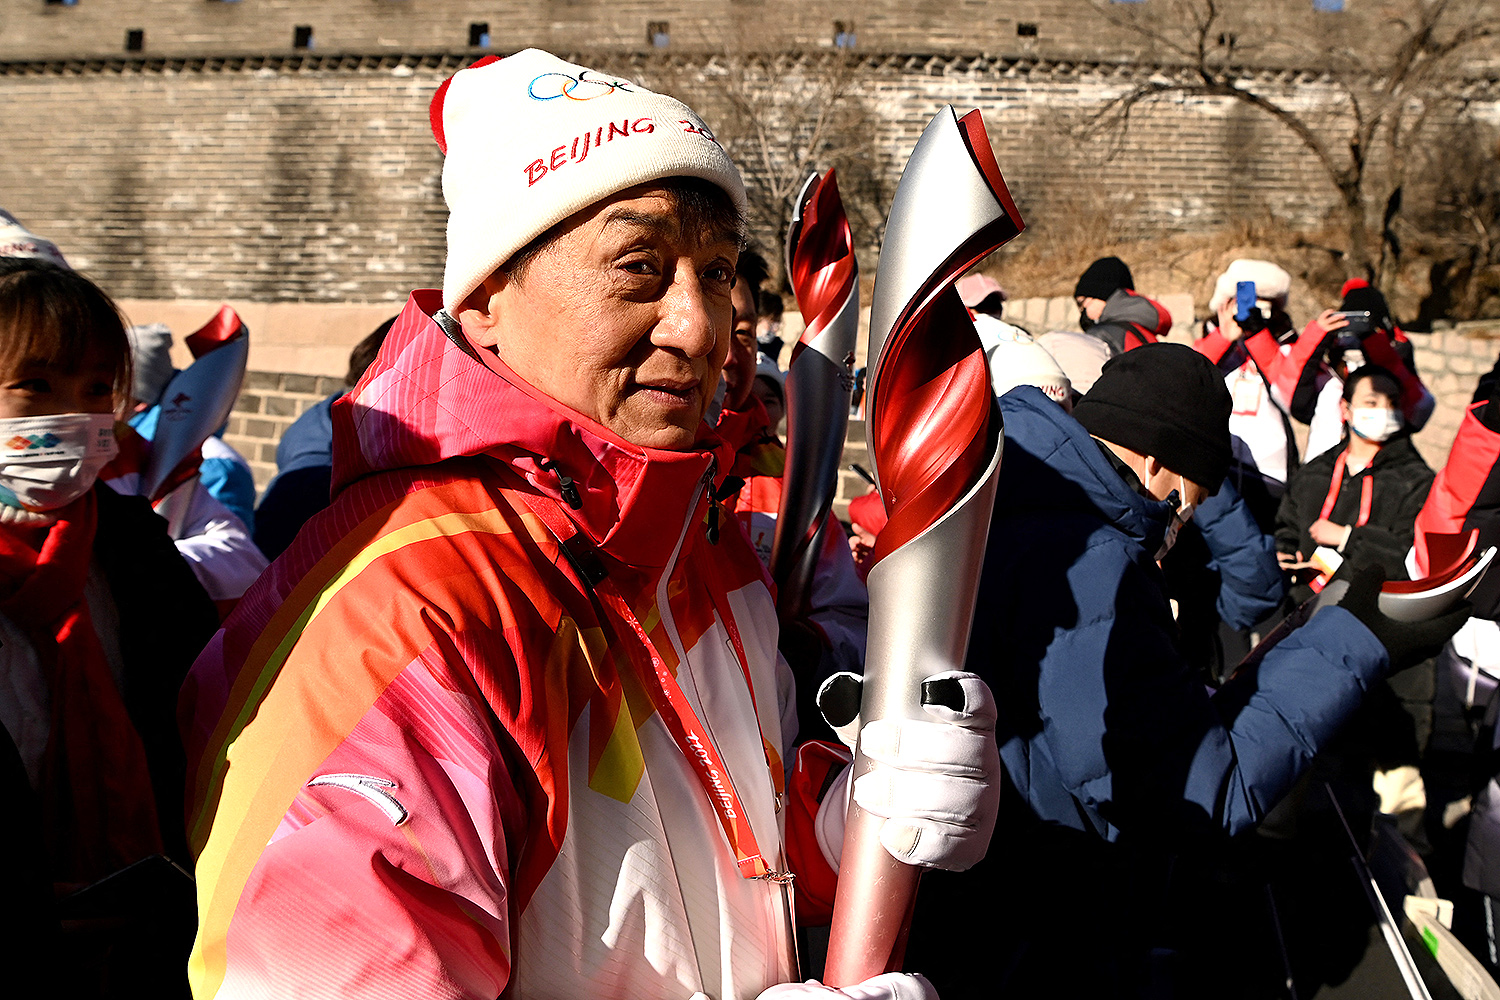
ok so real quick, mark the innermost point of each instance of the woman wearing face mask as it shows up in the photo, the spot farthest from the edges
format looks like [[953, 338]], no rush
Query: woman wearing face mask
[[100, 619], [1354, 506]]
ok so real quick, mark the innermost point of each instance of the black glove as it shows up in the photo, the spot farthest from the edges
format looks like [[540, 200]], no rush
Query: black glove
[[1407, 643]]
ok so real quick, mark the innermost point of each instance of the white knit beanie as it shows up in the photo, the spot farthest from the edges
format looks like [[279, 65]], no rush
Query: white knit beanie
[[1080, 356], [1015, 362], [1272, 283], [531, 139], [17, 241]]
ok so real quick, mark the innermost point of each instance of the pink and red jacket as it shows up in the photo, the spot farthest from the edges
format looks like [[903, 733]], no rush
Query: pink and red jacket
[[506, 719]]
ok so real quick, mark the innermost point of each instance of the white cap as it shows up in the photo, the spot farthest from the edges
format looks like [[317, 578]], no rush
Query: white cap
[[766, 367], [1079, 355], [531, 139], [17, 241], [1015, 362], [1272, 283]]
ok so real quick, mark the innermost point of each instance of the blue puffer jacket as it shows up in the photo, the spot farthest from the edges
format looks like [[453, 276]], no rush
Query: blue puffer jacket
[[1251, 583], [1102, 726], [309, 441]]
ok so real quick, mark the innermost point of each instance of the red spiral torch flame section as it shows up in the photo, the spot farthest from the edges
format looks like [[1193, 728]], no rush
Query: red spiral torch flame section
[[823, 265], [978, 140], [930, 412], [224, 327], [929, 425]]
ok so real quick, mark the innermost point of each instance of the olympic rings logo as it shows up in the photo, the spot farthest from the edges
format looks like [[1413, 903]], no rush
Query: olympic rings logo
[[579, 88]]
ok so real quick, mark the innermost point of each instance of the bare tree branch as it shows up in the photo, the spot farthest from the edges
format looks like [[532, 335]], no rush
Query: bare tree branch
[[1388, 99]]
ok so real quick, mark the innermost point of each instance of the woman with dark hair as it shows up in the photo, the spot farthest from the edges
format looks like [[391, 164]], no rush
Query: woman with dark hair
[[1355, 506]]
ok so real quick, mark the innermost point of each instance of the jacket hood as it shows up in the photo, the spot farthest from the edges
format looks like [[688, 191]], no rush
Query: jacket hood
[[742, 428], [1084, 479], [1126, 306], [426, 400]]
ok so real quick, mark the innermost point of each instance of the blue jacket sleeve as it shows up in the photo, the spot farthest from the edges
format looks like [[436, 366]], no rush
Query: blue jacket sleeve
[[231, 484], [1251, 583], [1140, 745]]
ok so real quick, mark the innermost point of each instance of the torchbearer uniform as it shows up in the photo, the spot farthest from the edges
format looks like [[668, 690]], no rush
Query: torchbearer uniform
[[430, 758]]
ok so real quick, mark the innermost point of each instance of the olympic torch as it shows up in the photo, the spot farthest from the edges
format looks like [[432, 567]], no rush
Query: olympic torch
[[819, 381], [935, 438], [195, 404]]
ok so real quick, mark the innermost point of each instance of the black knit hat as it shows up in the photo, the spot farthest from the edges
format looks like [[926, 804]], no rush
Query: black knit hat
[[1103, 278], [1359, 299], [1167, 401]]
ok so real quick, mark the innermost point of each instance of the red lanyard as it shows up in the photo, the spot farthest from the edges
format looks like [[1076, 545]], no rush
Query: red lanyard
[[1366, 491], [672, 705]]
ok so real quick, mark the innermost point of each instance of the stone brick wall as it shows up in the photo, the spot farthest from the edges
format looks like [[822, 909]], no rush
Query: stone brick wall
[[315, 179], [1450, 360], [32, 29]]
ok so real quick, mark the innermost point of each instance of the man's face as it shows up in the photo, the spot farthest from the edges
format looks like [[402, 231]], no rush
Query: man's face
[[623, 317], [739, 367], [1368, 394]]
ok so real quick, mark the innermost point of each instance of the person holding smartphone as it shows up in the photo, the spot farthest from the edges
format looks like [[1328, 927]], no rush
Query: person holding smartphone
[[1360, 332], [1246, 339]]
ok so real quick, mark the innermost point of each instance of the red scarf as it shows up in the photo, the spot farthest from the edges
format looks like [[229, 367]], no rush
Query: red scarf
[[98, 808]]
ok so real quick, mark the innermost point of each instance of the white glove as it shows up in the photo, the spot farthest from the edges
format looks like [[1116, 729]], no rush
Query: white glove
[[887, 986], [936, 784]]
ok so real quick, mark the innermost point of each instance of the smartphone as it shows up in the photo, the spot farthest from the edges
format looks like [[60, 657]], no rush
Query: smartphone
[[1244, 301], [1361, 324]]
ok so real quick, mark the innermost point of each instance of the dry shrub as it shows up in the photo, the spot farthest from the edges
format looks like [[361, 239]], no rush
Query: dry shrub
[[1450, 228], [1046, 261]]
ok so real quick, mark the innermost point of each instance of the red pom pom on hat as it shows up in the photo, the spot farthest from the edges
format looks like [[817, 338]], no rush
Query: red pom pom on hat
[[1351, 285]]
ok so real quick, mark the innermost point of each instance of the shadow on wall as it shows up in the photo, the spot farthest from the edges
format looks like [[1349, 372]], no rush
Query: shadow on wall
[[122, 232]]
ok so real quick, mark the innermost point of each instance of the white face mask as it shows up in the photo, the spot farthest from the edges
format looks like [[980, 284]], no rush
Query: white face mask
[[48, 462], [1181, 515], [1374, 423]]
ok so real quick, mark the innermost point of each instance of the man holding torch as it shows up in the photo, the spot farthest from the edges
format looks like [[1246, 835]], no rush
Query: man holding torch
[[508, 716]]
